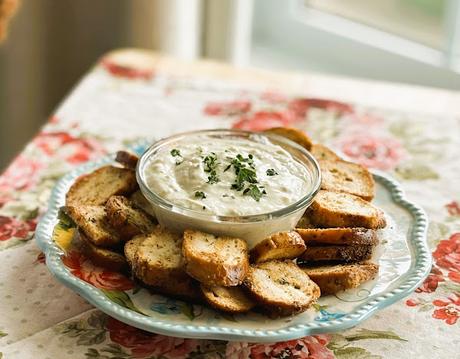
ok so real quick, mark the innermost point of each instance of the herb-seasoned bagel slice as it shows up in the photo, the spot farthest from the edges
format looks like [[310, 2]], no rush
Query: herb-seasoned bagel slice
[[227, 299], [281, 288], [127, 159], [213, 260], [333, 279], [93, 222], [338, 236], [335, 209], [182, 287], [98, 186], [159, 258], [126, 219], [321, 152], [281, 245], [344, 253], [292, 134], [344, 176], [139, 201], [102, 256], [131, 248]]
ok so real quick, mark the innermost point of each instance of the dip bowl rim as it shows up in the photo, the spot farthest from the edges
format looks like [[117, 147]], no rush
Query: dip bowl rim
[[306, 159]]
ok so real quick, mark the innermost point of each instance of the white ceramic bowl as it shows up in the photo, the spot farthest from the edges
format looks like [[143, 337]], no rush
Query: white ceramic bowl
[[252, 228]]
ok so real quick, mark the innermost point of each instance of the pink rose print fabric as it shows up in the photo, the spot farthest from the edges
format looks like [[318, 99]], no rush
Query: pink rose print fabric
[[120, 103]]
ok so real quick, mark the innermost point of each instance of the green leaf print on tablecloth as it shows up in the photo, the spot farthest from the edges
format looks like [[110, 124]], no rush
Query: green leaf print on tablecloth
[[108, 338], [206, 349], [417, 141], [373, 334], [354, 353], [416, 171], [2, 334], [450, 287], [110, 351], [341, 344], [87, 332]]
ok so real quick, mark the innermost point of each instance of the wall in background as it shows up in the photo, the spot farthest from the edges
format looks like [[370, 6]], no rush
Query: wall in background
[[50, 45]]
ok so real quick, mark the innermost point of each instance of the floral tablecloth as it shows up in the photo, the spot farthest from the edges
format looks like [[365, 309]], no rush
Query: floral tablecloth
[[123, 100]]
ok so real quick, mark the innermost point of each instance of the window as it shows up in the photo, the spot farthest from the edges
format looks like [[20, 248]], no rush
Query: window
[[417, 20], [413, 41]]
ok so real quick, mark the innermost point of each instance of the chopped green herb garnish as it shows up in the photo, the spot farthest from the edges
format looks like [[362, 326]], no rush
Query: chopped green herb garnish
[[254, 191], [246, 175], [240, 162], [271, 172], [210, 162], [212, 178], [249, 160], [200, 195], [210, 166], [175, 152]]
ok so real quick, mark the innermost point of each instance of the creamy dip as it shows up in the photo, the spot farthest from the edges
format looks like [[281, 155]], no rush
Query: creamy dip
[[227, 177]]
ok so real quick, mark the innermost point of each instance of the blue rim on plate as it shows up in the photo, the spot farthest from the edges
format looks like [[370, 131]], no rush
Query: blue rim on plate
[[419, 270]]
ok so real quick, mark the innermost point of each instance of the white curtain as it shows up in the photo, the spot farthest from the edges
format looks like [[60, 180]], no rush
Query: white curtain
[[189, 29]]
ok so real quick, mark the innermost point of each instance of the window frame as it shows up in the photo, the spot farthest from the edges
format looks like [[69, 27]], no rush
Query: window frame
[[367, 35], [452, 33], [282, 39]]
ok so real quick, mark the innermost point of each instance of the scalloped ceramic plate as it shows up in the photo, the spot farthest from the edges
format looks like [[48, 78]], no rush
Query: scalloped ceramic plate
[[403, 256]]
